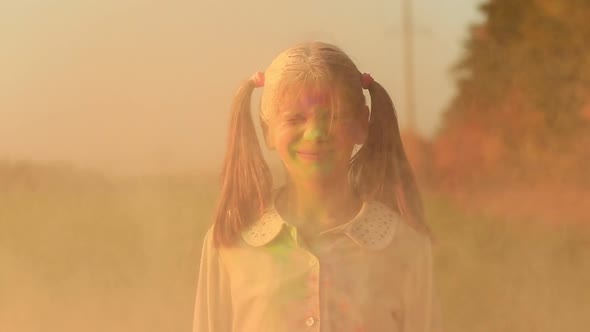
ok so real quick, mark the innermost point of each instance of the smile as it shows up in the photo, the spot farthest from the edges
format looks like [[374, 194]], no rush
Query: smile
[[312, 155]]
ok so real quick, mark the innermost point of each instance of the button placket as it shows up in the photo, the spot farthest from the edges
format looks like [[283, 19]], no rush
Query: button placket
[[312, 318]]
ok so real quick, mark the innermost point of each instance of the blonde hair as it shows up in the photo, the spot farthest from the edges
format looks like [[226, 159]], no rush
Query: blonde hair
[[378, 171]]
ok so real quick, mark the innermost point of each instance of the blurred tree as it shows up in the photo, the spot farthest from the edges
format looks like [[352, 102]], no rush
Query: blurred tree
[[523, 84], [539, 47]]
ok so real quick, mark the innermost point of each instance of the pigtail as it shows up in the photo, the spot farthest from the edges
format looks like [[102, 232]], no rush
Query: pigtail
[[380, 170], [246, 181]]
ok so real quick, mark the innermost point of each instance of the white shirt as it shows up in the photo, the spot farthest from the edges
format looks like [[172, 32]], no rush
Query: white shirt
[[373, 273]]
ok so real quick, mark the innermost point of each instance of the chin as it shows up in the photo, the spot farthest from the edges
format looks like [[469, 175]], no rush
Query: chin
[[322, 176]]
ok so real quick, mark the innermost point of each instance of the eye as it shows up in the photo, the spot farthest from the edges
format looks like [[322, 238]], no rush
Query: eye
[[294, 118]]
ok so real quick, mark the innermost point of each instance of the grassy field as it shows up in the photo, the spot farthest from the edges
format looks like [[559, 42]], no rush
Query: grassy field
[[83, 252]]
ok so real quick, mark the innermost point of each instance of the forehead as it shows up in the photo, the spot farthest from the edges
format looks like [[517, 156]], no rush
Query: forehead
[[296, 92], [306, 96]]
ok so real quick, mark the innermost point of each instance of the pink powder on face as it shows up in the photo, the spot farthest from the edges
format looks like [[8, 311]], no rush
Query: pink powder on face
[[312, 98]]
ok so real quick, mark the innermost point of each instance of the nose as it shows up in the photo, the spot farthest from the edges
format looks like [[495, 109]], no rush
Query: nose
[[317, 129]]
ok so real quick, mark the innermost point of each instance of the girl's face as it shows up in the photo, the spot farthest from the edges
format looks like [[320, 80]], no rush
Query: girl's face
[[314, 141]]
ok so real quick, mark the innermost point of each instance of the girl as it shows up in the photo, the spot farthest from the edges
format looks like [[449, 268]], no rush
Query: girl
[[342, 246]]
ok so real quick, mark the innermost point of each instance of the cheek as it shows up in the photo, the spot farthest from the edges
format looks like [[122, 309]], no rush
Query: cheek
[[284, 135], [284, 138]]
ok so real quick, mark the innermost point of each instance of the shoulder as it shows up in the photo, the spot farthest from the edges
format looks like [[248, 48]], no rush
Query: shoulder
[[379, 227], [411, 236], [213, 254], [406, 240], [209, 247], [414, 247]]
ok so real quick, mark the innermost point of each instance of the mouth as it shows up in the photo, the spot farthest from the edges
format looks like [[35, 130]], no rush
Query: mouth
[[312, 155]]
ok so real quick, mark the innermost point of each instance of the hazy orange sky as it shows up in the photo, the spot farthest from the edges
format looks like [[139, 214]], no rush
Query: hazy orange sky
[[139, 86]]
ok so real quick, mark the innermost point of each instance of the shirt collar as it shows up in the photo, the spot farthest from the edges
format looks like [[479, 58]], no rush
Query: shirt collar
[[372, 228]]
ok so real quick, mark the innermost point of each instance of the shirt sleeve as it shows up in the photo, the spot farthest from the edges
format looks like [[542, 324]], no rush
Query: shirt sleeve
[[422, 310], [213, 309]]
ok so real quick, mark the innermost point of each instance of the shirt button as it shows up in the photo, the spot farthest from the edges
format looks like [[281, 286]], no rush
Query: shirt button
[[313, 261], [310, 321]]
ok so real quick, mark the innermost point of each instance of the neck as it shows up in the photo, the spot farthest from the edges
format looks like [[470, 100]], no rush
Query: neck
[[317, 206]]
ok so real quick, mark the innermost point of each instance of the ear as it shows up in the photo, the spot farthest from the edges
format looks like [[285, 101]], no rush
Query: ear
[[268, 137], [363, 126]]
